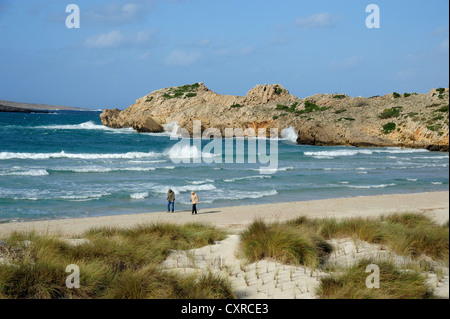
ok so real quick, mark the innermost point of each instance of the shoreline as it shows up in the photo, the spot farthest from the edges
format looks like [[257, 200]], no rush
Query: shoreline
[[433, 204]]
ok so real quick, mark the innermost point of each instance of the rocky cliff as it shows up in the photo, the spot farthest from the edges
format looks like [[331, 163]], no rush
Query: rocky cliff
[[406, 120]]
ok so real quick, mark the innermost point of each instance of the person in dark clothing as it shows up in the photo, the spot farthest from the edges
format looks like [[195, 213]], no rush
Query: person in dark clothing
[[170, 201]]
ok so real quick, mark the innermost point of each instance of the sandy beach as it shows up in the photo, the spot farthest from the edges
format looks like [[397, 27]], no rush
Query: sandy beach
[[434, 205], [267, 279]]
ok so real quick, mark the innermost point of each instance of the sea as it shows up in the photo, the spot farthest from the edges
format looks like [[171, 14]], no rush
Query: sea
[[66, 164]]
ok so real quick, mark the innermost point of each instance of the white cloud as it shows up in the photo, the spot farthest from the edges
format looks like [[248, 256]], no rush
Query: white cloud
[[108, 40], [443, 30], [119, 12], [318, 20], [115, 39], [182, 58]]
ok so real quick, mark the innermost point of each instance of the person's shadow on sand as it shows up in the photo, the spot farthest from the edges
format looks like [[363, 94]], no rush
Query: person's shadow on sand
[[210, 212], [199, 213]]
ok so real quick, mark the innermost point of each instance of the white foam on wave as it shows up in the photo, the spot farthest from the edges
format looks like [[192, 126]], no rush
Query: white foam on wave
[[342, 153], [62, 154], [139, 195], [30, 172], [188, 152], [238, 195], [437, 183], [331, 154], [85, 126], [231, 180], [268, 170], [106, 169], [437, 157], [183, 189], [148, 162], [289, 134], [171, 129], [82, 197], [202, 182], [370, 186]]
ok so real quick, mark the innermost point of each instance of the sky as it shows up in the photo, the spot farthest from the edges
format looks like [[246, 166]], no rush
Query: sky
[[125, 49]]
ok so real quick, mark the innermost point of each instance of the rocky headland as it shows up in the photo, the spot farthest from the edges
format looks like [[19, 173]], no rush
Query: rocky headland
[[17, 107], [395, 120]]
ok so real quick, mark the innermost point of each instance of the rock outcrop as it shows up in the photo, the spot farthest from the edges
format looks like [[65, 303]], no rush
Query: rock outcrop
[[408, 120], [140, 122], [11, 109]]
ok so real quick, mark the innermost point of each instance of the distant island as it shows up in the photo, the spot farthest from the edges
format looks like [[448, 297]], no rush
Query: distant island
[[15, 107], [408, 120]]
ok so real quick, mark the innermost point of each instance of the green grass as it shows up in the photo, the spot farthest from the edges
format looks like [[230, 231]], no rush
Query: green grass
[[284, 243], [236, 106], [411, 235], [435, 127], [443, 109], [281, 107], [278, 91], [351, 119], [390, 113], [389, 127], [180, 91], [396, 95], [407, 95], [395, 283], [115, 263], [150, 99], [339, 96], [290, 109], [311, 107], [340, 111]]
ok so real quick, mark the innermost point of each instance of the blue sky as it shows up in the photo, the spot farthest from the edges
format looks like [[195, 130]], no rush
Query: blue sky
[[127, 48]]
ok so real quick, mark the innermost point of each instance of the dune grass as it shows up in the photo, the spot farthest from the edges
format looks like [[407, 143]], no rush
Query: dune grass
[[284, 243], [303, 241], [113, 263], [411, 235], [395, 283]]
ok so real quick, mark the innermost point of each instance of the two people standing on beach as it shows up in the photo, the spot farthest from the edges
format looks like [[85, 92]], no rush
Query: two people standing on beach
[[171, 202]]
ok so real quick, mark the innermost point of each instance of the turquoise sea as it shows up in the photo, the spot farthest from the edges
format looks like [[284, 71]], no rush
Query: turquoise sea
[[67, 164]]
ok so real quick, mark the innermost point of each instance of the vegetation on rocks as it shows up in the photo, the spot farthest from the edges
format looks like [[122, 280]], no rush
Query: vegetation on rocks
[[389, 127], [178, 92]]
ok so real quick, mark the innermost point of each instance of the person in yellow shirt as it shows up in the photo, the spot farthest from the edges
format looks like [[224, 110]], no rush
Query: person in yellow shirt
[[194, 200]]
